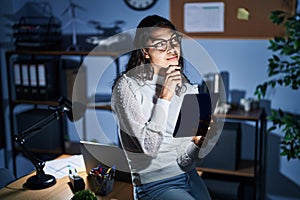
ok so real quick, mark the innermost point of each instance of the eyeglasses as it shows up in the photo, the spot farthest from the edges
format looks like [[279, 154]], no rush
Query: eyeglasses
[[174, 41]]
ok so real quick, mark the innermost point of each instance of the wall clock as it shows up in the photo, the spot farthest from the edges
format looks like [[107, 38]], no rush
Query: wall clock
[[140, 4]]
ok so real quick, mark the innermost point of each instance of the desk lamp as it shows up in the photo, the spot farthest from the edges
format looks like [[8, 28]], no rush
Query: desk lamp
[[41, 180]]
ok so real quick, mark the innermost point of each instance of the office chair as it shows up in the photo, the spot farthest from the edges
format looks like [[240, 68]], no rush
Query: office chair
[[6, 176]]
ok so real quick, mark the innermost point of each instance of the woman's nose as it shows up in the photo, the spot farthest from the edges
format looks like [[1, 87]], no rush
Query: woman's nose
[[171, 49], [170, 45]]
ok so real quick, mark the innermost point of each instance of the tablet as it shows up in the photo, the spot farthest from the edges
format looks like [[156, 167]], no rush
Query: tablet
[[195, 114]]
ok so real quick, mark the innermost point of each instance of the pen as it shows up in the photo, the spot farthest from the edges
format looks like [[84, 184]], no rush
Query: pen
[[70, 171], [75, 173], [107, 172]]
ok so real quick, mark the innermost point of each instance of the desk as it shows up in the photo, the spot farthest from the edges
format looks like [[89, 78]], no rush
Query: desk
[[61, 190], [248, 171]]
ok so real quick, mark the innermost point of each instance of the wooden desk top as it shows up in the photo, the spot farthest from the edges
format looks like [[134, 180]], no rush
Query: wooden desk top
[[253, 115], [61, 190]]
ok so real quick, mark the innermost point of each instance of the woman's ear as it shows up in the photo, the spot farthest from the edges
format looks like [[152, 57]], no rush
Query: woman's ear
[[146, 53]]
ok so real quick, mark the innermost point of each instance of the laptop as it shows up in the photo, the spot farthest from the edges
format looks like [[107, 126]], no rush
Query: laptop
[[195, 114], [95, 154]]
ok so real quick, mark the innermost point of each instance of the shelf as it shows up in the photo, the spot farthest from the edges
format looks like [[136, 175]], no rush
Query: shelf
[[100, 101], [50, 103], [244, 173], [56, 151], [99, 106], [245, 169], [100, 52], [253, 115]]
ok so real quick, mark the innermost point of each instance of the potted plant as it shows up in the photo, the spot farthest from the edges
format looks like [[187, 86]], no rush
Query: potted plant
[[84, 195], [284, 71]]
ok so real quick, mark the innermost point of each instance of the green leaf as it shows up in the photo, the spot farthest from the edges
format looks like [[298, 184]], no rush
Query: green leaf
[[284, 153], [277, 17], [272, 83], [280, 112], [277, 12], [276, 58], [296, 44], [84, 195], [272, 128]]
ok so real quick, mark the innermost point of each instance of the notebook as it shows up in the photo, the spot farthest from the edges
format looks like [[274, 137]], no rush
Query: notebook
[[105, 155], [195, 114]]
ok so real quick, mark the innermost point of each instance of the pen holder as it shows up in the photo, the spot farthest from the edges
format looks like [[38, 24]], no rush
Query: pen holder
[[77, 183], [101, 182]]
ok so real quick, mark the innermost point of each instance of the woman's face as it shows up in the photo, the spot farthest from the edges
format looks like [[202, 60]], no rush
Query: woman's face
[[163, 49]]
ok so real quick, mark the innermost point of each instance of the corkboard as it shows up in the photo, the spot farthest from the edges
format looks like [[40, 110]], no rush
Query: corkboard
[[258, 24]]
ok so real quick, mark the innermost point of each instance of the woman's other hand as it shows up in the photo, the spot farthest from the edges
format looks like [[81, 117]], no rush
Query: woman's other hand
[[212, 127], [198, 140]]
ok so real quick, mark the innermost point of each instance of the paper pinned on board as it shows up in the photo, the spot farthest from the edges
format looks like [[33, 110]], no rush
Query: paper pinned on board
[[204, 17]]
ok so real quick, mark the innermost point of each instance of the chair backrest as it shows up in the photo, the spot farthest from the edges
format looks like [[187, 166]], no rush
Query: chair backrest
[[6, 176]]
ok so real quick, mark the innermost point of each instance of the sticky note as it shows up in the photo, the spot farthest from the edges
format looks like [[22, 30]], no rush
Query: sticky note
[[243, 14]]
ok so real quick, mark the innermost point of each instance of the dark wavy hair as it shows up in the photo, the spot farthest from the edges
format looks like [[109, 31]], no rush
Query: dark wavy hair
[[142, 68], [142, 35]]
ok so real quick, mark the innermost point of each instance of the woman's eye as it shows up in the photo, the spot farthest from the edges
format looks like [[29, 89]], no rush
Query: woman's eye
[[160, 44], [174, 40]]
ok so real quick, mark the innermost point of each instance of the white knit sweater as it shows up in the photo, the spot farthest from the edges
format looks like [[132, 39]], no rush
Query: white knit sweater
[[146, 125]]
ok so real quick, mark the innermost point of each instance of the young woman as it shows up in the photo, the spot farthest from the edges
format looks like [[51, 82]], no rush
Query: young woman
[[146, 100]]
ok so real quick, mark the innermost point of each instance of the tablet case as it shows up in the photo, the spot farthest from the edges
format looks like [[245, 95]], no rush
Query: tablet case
[[195, 114]]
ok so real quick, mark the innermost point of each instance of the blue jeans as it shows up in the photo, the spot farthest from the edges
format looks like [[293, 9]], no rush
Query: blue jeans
[[188, 186]]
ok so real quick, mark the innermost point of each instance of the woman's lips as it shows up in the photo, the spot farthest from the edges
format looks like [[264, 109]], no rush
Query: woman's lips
[[173, 58]]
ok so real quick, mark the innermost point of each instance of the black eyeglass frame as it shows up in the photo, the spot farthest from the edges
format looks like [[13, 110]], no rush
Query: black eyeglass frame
[[175, 35]]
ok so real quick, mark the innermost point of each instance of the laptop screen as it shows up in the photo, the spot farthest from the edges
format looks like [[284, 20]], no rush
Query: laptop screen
[[95, 154]]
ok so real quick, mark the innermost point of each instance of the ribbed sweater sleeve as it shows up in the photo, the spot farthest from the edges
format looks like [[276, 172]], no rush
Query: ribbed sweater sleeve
[[126, 103], [186, 160]]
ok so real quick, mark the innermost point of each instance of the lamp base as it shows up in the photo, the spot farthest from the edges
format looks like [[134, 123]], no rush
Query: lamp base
[[40, 181]]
